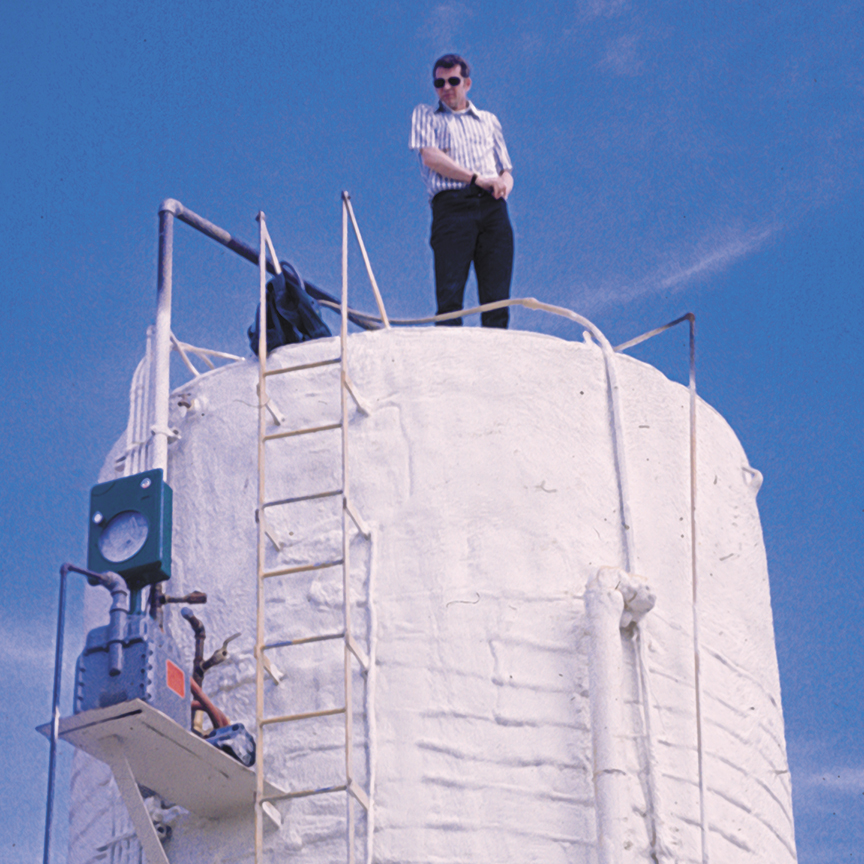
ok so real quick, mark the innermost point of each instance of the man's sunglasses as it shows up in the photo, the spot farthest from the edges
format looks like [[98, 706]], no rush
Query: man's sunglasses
[[453, 82]]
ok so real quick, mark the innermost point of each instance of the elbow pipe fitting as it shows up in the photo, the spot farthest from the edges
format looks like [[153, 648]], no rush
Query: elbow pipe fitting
[[200, 635], [614, 599], [194, 622], [118, 617], [172, 206], [119, 590], [217, 717]]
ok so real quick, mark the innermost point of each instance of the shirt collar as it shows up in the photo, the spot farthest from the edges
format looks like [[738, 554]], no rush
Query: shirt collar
[[446, 109]]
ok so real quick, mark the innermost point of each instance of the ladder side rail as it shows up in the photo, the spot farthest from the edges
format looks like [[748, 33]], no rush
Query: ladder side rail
[[346, 595], [259, 614]]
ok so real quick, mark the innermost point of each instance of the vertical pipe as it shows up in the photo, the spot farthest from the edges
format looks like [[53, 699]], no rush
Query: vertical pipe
[[144, 452], [163, 342], [134, 410], [620, 455], [346, 597], [259, 619], [700, 744], [604, 605], [55, 716]]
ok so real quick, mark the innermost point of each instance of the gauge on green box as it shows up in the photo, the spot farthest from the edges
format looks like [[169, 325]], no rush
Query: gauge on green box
[[130, 528]]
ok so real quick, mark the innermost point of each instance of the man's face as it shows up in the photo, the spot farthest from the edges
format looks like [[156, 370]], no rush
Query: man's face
[[454, 96]]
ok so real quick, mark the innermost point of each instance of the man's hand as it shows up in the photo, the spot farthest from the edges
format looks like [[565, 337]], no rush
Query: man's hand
[[499, 186]]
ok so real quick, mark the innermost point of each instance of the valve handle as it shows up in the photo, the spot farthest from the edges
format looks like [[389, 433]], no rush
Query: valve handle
[[220, 655]]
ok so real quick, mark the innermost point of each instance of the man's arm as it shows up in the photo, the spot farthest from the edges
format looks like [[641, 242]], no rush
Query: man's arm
[[438, 161]]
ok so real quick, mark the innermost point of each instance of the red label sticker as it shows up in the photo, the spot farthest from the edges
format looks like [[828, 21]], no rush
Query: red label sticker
[[175, 679]]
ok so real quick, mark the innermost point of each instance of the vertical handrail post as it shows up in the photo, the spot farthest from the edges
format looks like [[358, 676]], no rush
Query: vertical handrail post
[[162, 359], [55, 716], [697, 671], [259, 617]]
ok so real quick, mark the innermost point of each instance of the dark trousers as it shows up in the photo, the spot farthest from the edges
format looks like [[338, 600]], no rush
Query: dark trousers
[[470, 225]]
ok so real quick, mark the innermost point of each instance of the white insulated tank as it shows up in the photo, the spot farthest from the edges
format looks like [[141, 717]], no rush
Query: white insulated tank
[[486, 469]]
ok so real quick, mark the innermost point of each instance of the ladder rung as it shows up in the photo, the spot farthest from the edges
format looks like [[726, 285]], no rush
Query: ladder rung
[[312, 497], [290, 718], [332, 362], [300, 568], [304, 640], [307, 431], [304, 794]]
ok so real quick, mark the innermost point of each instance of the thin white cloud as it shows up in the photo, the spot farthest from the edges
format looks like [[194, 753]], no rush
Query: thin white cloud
[[27, 650], [444, 23], [602, 8], [834, 779], [712, 255], [20, 645], [621, 56], [716, 258]]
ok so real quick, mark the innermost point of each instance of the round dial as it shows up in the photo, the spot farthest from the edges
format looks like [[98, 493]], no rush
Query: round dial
[[123, 536]]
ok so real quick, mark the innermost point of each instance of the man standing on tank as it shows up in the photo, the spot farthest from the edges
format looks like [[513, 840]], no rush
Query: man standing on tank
[[466, 169]]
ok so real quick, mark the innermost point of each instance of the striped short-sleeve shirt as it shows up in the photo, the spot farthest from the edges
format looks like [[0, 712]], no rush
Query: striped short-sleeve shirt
[[471, 138]]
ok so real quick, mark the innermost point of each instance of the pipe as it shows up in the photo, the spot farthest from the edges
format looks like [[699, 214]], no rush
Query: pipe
[[613, 600], [217, 717], [173, 207], [200, 635], [162, 352], [115, 583]]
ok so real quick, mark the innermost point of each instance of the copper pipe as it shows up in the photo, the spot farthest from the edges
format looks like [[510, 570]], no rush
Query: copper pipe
[[217, 717]]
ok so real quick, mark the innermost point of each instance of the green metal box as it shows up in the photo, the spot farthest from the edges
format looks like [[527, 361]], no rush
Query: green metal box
[[130, 528]]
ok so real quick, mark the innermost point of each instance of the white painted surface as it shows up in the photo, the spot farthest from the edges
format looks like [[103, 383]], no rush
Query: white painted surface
[[486, 471]]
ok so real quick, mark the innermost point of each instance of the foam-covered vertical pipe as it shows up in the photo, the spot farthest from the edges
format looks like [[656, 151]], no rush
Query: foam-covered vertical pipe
[[604, 605], [162, 358]]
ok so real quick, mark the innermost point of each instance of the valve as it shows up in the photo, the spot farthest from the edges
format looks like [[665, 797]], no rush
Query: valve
[[220, 655]]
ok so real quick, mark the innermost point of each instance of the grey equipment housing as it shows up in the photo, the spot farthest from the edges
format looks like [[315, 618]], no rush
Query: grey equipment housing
[[152, 670]]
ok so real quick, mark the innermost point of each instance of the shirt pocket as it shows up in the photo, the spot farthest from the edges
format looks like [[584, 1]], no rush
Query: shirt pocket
[[479, 139], [444, 138]]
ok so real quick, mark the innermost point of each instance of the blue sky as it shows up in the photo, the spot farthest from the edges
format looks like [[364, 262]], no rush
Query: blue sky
[[669, 157]]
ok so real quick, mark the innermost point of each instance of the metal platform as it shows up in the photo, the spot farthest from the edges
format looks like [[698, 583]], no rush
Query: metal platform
[[163, 756]]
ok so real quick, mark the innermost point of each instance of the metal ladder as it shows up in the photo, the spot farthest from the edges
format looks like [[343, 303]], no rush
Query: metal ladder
[[353, 652]]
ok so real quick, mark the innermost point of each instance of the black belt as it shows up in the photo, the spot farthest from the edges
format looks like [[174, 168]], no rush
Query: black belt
[[470, 191]]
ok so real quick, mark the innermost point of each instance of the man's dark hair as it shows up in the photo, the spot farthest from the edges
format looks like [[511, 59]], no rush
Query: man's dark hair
[[448, 61]]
